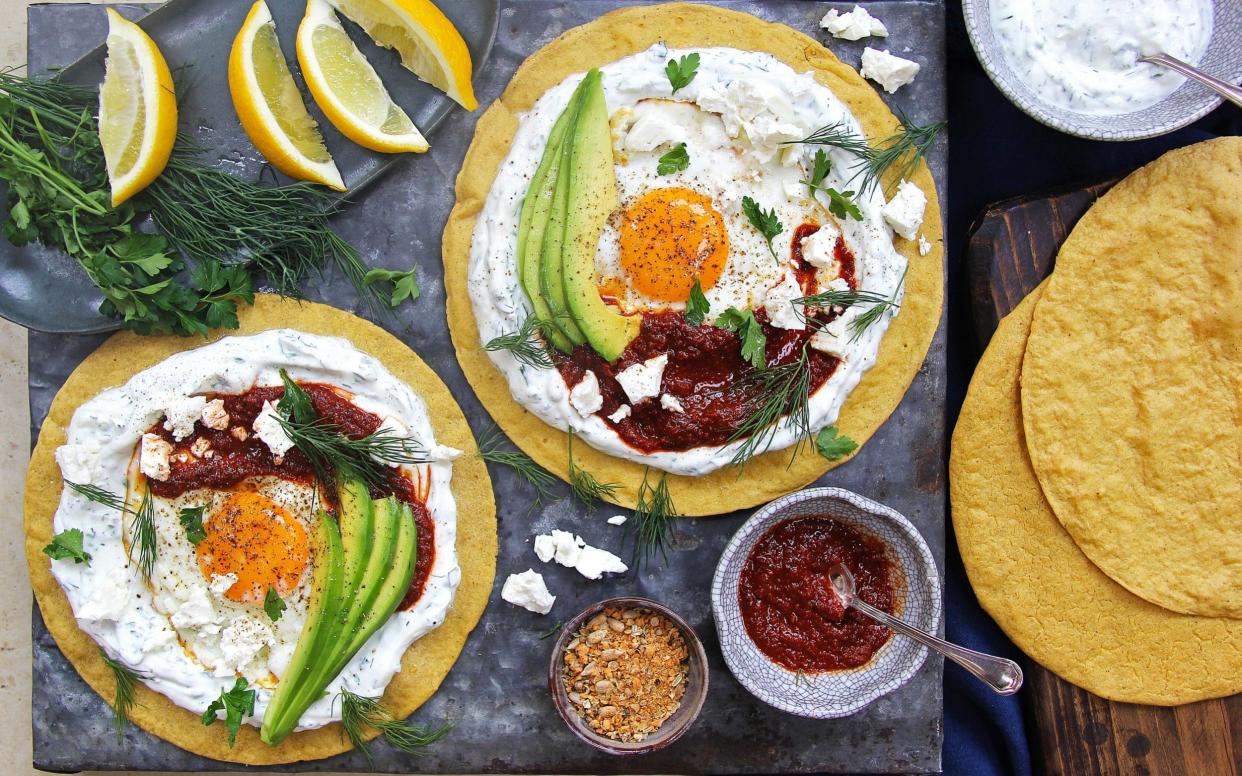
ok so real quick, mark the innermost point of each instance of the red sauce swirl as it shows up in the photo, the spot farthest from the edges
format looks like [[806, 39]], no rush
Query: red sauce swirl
[[789, 607]]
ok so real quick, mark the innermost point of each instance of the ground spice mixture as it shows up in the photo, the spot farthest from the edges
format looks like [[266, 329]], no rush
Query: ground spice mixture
[[625, 672]]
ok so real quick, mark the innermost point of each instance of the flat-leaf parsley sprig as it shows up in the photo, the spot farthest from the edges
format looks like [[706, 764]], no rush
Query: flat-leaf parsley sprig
[[765, 221], [675, 160], [682, 71], [237, 704]]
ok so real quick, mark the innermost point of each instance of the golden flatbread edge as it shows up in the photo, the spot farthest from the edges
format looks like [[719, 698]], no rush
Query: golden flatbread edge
[[425, 663], [683, 25]]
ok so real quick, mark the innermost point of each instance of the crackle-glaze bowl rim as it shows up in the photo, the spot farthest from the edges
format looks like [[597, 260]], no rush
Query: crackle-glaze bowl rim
[[837, 693], [675, 726], [1188, 103]]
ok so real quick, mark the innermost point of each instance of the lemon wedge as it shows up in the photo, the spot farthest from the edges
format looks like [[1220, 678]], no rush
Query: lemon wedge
[[347, 89], [137, 109], [429, 45], [269, 106]]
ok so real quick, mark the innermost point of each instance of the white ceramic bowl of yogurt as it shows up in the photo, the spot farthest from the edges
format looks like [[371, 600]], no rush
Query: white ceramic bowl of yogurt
[[1072, 64]]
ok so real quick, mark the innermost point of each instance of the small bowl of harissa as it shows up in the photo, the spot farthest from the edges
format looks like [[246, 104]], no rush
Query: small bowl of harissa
[[628, 676]]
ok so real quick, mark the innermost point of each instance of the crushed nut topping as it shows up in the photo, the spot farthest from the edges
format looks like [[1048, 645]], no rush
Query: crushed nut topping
[[625, 672]]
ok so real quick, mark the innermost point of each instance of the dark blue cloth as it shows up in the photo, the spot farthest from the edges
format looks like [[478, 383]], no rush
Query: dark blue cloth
[[997, 152]]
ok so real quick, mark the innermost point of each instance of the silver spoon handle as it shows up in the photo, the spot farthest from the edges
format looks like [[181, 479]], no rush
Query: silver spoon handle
[[1223, 88], [1001, 674]]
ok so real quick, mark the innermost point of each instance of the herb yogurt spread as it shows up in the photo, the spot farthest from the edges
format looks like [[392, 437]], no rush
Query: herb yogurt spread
[[1083, 56]]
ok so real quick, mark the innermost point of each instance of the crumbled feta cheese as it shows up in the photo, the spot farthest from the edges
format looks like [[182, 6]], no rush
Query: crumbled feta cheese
[[158, 637], [214, 416], [444, 453], [545, 547], [642, 381], [652, 130], [778, 301], [153, 457], [242, 639], [196, 611], [853, 25], [585, 396], [202, 448], [671, 403], [594, 563], [220, 584], [267, 426], [572, 552], [107, 600], [77, 462], [617, 520], [621, 413], [182, 414], [753, 113], [904, 212], [890, 72], [528, 591], [924, 246], [240, 433], [820, 249]]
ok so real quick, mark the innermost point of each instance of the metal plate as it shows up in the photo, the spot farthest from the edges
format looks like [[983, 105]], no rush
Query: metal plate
[[496, 694], [46, 290]]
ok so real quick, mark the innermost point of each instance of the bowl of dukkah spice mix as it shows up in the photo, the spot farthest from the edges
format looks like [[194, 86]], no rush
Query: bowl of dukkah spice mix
[[628, 676]]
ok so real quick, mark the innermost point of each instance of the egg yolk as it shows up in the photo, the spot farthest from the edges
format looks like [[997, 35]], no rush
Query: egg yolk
[[669, 237], [258, 540]]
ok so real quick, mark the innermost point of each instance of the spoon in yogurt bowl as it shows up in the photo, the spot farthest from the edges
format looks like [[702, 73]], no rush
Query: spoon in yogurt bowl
[[1001, 674], [1223, 88]]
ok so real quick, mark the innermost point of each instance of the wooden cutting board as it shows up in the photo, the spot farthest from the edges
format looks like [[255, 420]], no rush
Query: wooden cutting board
[[1012, 247]]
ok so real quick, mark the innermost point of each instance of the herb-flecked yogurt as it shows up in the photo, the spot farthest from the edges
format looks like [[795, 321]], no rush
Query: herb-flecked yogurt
[[761, 102], [144, 628], [1082, 55]]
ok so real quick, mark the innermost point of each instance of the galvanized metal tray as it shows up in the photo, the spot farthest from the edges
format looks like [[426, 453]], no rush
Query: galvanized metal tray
[[496, 695]]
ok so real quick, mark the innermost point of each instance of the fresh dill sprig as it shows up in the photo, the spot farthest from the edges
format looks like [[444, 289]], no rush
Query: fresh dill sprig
[[543, 482], [98, 495], [142, 533], [780, 391], [840, 298], [583, 484], [876, 311], [330, 451], [522, 344], [653, 519], [896, 156], [552, 631], [359, 712], [126, 680]]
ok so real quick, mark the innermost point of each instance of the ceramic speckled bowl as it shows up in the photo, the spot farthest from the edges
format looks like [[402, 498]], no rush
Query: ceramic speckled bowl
[[833, 693], [1191, 101]]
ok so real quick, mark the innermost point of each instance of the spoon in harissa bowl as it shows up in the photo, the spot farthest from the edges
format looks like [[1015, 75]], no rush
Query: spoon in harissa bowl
[[1002, 675]]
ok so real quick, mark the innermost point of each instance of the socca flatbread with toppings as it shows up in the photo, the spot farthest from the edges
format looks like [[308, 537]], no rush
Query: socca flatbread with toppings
[[243, 528], [1132, 383], [1032, 578], [639, 383]]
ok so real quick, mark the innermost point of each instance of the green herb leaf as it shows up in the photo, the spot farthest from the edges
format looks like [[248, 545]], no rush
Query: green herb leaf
[[682, 71], [359, 712], [821, 168], [490, 442], [237, 704], [523, 344], [67, 544], [192, 522], [552, 632], [781, 391], [765, 221], [894, 158], [295, 403], [652, 525], [754, 341], [142, 533], [840, 203], [833, 445], [674, 161], [402, 285], [98, 495], [696, 305], [273, 604], [583, 484], [126, 680]]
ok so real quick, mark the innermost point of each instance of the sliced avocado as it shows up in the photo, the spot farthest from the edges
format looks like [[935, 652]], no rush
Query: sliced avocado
[[533, 224], [551, 285], [323, 611], [396, 583], [357, 531], [590, 182]]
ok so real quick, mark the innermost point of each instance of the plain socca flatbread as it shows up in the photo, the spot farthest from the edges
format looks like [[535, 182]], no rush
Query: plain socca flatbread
[[1132, 383], [607, 39], [1031, 577], [426, 662]]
